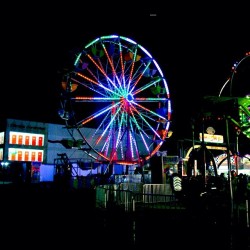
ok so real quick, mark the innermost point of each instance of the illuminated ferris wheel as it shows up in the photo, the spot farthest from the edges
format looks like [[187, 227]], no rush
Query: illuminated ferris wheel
[[117, 98]]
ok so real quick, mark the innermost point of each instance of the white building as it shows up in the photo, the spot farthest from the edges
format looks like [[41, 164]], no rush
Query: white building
[[38, 145]]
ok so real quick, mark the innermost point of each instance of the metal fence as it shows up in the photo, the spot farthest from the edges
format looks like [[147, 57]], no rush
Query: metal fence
[[132, 197]]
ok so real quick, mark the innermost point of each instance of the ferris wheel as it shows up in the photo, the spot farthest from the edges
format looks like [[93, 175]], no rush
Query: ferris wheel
[[118, 100]]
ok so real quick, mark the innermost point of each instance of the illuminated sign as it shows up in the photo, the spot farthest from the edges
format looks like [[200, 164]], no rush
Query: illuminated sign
[[21, 154], [212, 138], [27, 139], [1, 138]]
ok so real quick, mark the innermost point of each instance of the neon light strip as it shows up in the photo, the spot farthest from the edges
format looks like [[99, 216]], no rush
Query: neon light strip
[[147, 86], [119, 130], [140, 129], [112, 66], [150, 111], [87, 86], [103, 72], [98, 114], [150, 99], [97, 83], [111, 121], [139, 78], [132, 68], [122, 66], [147, 124], [90, 99]]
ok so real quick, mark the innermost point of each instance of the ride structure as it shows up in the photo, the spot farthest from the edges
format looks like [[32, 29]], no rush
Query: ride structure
[[117, 89], [229, 113]]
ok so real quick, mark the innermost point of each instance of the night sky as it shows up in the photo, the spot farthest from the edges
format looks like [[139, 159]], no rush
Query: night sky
[[195, 46]]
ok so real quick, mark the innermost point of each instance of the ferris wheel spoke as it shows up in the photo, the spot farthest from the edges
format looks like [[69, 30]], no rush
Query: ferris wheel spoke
[[108, 126], [151, 99], [150, 84], [150, 114], [142, 72], [101, 68], [95, 99], [97, 114], [148, 124], [141, 133], [112, 68], [98, 83], [90, 87]]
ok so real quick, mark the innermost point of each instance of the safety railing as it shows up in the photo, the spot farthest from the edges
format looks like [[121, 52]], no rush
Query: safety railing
[[133, 197]]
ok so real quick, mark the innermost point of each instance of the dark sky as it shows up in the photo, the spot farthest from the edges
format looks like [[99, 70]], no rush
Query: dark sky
[[194, 45]]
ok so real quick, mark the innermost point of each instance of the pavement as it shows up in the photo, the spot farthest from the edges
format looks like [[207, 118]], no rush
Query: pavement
[[40, 216]]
